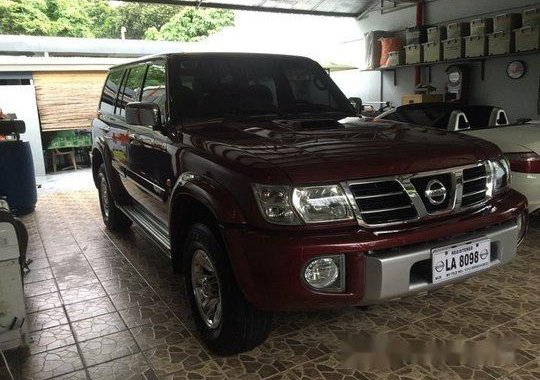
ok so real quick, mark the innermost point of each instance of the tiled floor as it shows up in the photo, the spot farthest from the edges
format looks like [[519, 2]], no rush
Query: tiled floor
[[107, 306]]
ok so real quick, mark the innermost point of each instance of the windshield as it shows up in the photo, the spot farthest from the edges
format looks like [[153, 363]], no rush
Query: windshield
[[229, 87]]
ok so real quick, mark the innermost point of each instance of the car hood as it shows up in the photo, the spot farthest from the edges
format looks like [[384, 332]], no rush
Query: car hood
[[512, 138], [318, 151]]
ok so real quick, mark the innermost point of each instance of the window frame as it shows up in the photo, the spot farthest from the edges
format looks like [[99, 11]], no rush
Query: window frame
[[127, 72], [165, 112]]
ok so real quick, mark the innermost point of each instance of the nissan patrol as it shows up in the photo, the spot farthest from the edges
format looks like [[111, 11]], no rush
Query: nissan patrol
[[254, 175]]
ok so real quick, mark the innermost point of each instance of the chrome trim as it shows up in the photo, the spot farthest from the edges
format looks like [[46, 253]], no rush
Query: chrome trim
[[474, 193], [380, 195], [455, 194], [386, 209], [484, 177]]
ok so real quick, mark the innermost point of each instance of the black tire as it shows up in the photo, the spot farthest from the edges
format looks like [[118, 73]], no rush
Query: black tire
[[241, 326], [114, 219]]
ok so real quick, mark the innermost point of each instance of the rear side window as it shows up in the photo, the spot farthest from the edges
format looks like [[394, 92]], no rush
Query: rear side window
[[154, 90], [131, 91], [109, 91]]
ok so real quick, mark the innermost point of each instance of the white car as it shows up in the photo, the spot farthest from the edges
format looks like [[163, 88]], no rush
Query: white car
[[520, 143]]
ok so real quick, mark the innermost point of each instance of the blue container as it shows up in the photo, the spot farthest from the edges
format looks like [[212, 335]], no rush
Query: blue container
[[17, 176]]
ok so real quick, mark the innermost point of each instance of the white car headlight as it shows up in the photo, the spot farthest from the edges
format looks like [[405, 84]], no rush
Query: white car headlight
[[317, 204], [309, 204], [275, 205], [500, 174]]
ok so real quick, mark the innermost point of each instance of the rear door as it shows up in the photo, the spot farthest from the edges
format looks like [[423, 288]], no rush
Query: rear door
[[149, 161]]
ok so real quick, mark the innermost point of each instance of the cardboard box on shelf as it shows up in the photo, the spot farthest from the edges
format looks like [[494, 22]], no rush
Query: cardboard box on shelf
[[481, 26], [527, 38], [476, 46], [413, 54], [421, 98], [453, 48], [432, 52], [501, 43], [506, 22]]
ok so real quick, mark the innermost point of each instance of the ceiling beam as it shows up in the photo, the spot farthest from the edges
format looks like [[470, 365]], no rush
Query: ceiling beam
[[257, 8]]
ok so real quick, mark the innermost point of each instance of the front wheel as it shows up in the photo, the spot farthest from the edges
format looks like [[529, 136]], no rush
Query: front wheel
[[114, 219], [227, 322]]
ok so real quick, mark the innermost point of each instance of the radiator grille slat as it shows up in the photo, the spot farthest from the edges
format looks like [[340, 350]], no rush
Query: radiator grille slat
[[474, 185], [383, 202]]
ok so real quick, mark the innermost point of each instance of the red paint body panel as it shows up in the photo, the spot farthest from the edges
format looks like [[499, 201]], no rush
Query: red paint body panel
[[268, 263]]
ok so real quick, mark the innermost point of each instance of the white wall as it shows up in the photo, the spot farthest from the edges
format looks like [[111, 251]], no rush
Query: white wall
[[518, 97], [21, 100]]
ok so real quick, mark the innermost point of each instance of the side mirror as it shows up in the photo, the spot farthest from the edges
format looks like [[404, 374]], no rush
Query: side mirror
[[144, 113], [357, 104]]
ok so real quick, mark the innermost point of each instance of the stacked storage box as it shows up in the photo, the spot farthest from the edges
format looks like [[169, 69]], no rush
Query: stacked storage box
[[432, 50], [395, 58], [454, 46], [528, 37], [413, 50], [502, 40], [476, 45]]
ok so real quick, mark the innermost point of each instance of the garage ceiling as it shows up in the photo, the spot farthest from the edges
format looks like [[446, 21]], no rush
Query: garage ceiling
[[344, 8]]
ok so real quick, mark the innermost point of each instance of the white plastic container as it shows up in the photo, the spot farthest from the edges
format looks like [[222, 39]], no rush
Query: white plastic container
[[12, 310]]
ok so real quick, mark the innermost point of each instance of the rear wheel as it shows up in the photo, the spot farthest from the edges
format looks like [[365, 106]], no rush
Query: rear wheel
[[113, 218], [227, 322]]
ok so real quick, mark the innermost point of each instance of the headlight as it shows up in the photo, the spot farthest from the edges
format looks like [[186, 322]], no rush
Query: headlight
[[317, 204], [500, 174], [274, 204], [309, 204]]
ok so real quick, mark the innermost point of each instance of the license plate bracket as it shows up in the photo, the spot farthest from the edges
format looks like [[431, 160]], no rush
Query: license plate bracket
[[460, 259]]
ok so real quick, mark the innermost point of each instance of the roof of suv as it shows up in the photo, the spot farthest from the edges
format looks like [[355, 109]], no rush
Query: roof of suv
[[205, 54]]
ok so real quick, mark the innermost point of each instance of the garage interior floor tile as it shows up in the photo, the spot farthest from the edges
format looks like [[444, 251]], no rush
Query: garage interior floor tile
[[103, 305]]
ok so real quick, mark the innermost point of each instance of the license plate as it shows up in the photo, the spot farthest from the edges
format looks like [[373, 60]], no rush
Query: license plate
[[460, 259]]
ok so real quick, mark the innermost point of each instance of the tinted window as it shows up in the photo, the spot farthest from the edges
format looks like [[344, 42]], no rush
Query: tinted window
[[154, 90], [131, 91], [110, 90], [254, 86]]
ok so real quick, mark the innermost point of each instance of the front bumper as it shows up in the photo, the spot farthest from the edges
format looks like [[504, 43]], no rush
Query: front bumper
[[378, 266], [392, 275]]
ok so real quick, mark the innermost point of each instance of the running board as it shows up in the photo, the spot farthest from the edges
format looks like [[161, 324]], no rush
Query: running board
[[151, 225]]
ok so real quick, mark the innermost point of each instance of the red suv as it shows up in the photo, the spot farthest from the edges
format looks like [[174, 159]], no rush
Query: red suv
[[253, 174]]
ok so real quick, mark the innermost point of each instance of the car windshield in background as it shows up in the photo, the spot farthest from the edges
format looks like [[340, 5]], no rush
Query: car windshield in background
[[427, 117], [237, 87]]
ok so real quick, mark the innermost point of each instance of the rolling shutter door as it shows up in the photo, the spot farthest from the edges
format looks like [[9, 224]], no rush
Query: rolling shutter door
[[68, 100]]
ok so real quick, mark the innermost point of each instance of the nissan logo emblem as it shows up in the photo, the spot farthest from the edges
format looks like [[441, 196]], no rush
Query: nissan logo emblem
[[435, 192]]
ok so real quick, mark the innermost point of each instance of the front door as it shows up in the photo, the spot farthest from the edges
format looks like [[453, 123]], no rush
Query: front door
[[150, 170]]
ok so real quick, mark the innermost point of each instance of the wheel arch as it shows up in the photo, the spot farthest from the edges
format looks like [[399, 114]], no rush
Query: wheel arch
[[199, 200]]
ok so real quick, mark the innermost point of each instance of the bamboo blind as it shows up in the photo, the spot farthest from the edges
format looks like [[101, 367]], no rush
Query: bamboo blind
[[67, 100]]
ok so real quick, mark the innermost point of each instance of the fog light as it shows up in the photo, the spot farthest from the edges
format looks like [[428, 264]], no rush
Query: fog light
[[326, 273]]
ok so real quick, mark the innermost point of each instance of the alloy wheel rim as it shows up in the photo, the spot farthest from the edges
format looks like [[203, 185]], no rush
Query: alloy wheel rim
[[206, 289], [105, 196]]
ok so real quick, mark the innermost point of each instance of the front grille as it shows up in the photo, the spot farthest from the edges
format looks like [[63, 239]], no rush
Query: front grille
[[383, 202], [474, 185], [403, 198], [421, 184]]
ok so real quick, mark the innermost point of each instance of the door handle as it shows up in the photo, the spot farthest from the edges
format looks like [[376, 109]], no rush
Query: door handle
[[133, 136], [105, 128]]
